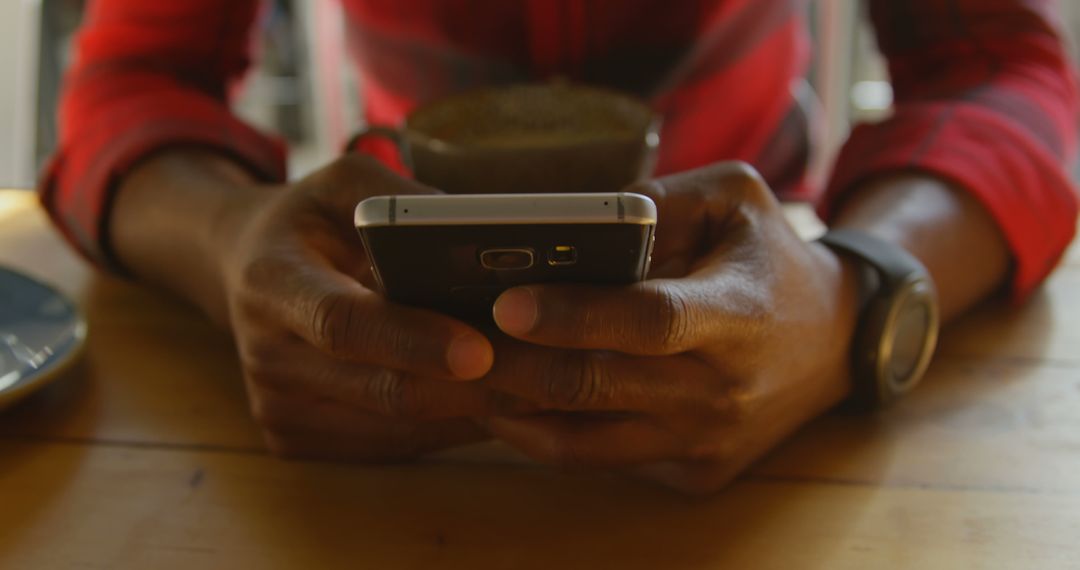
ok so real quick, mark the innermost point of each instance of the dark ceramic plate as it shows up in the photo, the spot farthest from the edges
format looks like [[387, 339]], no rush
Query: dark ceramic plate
[[41, 332]]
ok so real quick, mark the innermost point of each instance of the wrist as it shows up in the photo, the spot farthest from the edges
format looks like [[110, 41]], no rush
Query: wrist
[[845, 278], [898, 323], [168, 217], [227, 224], [224, 239], [950, 232]]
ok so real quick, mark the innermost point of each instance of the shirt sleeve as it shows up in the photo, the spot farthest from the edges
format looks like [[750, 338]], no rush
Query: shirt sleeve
[[985, 97], [148, 75]]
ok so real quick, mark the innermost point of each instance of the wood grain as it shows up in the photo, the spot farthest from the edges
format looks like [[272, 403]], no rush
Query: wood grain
[[144, 456], [972, 425], [116, 508]]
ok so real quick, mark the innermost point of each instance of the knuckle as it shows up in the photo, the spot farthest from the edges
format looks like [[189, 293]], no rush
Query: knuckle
[[743, 405], [577, 380], [341, 326], [743, 174], [397, 344], [744, 170], [751, 184], [333, 323], [738, 405], [668, 321], [742, 179], [390, 394]]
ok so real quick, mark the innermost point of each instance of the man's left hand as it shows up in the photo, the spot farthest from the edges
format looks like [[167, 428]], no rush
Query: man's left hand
[[688, 378]]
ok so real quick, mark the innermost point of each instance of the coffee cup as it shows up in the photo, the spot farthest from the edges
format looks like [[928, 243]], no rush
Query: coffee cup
[[532, 138]]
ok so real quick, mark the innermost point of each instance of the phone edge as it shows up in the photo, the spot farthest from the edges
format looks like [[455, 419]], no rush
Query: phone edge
[[628, 208]]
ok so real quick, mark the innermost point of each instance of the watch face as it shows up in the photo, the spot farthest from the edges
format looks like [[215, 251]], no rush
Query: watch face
[[909, 339]]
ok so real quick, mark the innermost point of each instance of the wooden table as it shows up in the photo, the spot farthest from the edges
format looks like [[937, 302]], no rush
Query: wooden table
[[143, 456]]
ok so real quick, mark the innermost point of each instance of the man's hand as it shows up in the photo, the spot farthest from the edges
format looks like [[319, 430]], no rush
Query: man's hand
[[685, 379], [332, 369]]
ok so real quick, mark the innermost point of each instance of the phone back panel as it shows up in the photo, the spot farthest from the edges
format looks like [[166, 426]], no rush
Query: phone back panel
[[440, 267]]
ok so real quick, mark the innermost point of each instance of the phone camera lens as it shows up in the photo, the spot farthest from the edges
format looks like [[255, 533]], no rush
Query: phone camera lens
[[562, 255]]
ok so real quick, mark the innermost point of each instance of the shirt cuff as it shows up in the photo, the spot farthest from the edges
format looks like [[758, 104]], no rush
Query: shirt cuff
[[77, 186], [1020, 183]]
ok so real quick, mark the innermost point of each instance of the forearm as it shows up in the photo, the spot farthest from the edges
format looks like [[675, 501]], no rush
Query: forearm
[[171, 219], [943, 226]]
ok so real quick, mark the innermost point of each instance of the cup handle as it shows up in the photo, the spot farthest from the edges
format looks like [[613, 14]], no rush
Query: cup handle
[[395, 136]]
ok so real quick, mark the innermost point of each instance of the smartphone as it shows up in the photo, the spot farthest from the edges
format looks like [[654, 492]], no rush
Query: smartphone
[[456, 253]]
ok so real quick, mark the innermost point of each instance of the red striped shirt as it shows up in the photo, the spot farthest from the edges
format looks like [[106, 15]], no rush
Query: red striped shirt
[[985, 96]]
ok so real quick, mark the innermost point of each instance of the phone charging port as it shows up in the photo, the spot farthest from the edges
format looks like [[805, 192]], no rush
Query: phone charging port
[[562, 255]]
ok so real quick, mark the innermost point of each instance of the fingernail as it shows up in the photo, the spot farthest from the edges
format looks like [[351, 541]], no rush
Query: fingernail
[[469, 356], [515, 311]]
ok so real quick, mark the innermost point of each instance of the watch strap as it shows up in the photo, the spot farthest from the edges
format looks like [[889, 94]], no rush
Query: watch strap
[[893, 262], [886, 270]]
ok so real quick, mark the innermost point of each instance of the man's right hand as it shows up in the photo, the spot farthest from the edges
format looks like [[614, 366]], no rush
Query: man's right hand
[[332, 369]]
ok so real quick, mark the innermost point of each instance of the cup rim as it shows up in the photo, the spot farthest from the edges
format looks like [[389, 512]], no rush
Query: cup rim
[[649, 135]]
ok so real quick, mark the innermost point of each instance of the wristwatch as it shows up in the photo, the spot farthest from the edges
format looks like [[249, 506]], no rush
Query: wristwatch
[[898, 318]]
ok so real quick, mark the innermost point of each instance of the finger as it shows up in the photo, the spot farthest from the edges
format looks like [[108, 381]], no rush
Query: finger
[[707, 216], [656, 317], [574, 441], [680, 216], [558, 379], [722, 300], [332, 194], [345, 320], [692, 205], [352, 178], [370, 389]]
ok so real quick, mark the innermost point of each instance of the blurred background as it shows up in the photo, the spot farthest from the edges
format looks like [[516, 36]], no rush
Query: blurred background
[[303, 87]]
